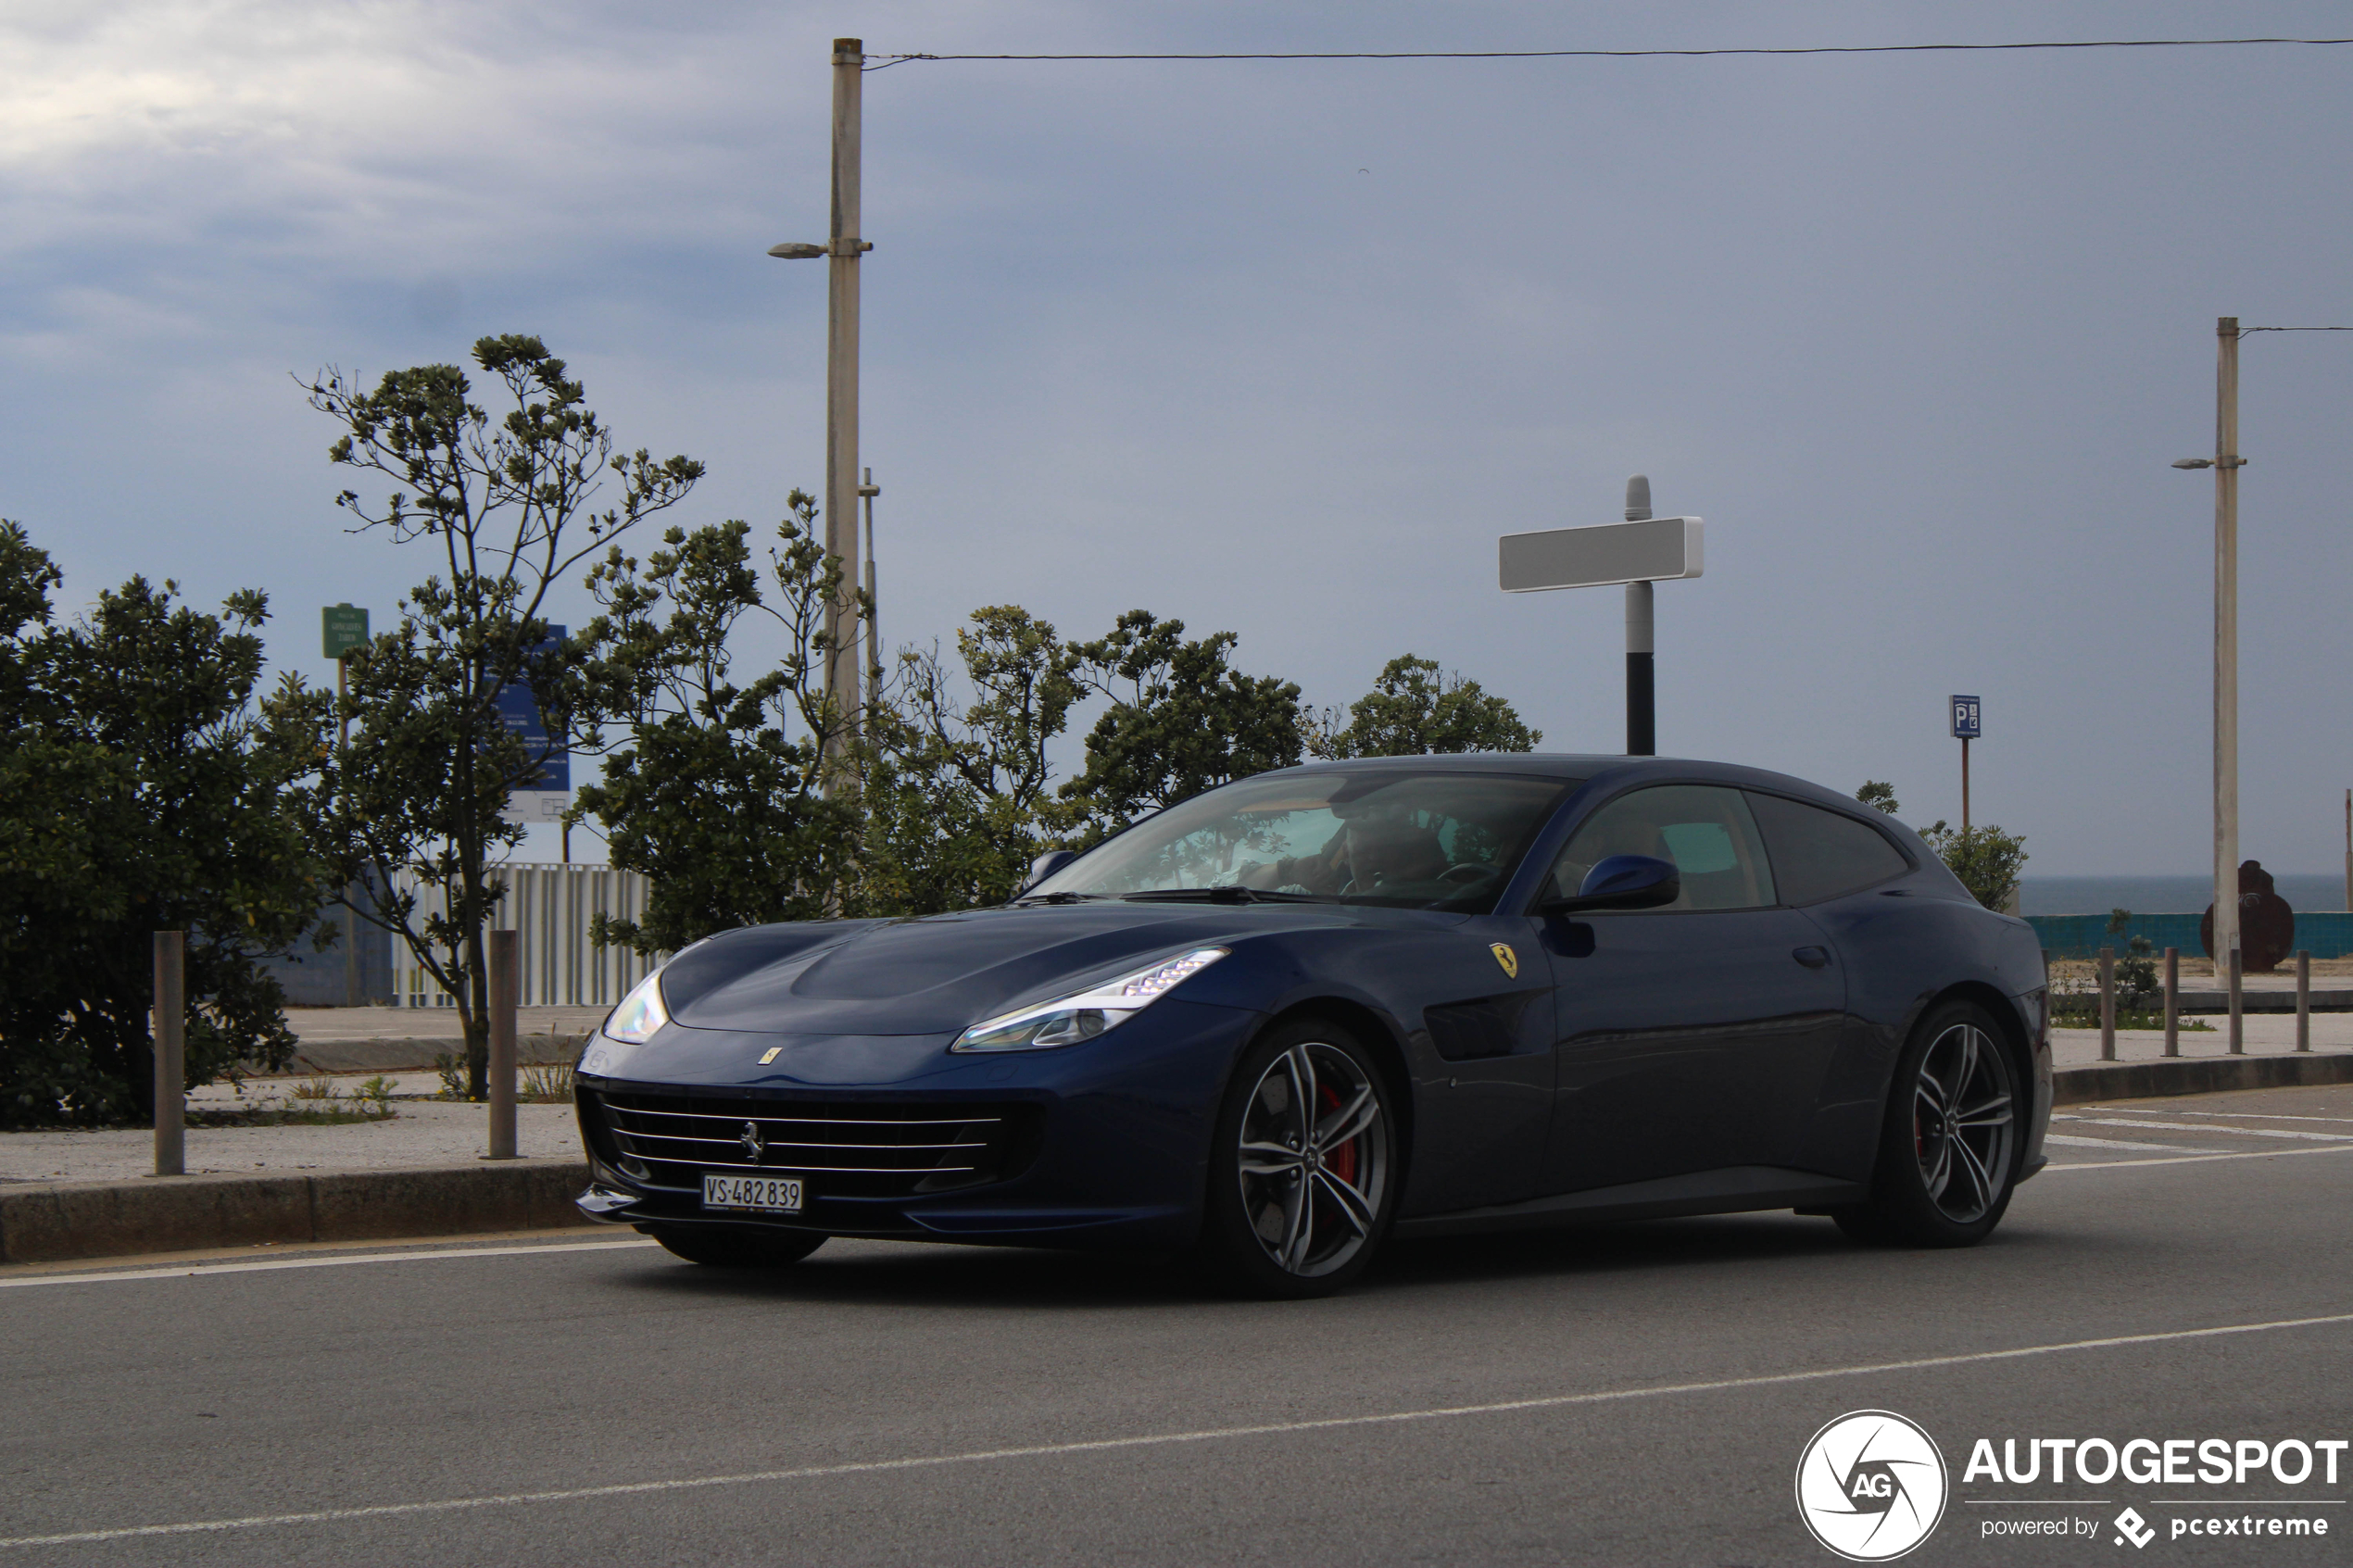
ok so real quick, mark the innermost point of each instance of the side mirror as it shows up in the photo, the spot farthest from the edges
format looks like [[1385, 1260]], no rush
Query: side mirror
[[1047, 865], [1621, 882]]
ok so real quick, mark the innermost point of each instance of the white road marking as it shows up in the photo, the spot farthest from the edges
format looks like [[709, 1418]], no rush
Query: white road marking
[[191, 1271], [2210, 1127], [1160, 1439], [2191, 1159], [2122, 1143], [2248, 1115]]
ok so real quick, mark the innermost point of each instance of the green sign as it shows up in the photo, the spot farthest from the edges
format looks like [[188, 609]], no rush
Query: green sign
[[341, 629]]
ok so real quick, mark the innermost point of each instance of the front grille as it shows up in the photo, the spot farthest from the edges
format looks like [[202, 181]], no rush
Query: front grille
[[843, 1148]]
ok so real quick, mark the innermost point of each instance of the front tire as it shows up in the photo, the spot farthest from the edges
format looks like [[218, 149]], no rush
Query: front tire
[[1950, 1148], [738, 1247], [1304, 1173]]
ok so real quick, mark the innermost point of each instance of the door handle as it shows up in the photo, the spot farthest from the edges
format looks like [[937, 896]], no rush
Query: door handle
[[1812, 957]]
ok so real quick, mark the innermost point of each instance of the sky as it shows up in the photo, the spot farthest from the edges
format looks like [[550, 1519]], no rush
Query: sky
[[1280, 347]]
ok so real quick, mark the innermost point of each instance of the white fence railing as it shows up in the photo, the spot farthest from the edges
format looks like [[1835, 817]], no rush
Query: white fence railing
[[551, 906]]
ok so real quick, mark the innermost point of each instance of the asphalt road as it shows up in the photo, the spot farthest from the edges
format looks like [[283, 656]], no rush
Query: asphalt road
[[1631, 1395]]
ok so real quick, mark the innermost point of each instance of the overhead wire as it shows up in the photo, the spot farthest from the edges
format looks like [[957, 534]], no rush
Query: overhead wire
[[899, 59]]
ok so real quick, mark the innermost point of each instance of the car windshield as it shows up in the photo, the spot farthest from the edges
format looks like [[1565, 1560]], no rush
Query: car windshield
[[1435, 840]]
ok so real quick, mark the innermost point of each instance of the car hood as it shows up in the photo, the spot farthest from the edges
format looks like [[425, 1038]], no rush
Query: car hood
[[941, 973]]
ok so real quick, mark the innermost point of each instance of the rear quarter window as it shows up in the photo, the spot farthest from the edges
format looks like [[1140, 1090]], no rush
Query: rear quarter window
[[1818, 854]]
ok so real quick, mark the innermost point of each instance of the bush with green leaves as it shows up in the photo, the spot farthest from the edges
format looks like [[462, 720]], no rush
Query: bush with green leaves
[[716, 790], [1181, 720], [1415, 709], [956, 789], [142, 788]]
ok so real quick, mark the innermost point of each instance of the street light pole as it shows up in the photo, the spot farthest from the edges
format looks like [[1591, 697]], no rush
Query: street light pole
[[841, 250], [841, 386], [2229, 966], [868, 490], [2226, 663]]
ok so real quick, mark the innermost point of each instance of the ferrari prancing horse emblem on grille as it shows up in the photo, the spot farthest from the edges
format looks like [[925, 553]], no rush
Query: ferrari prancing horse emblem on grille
[[754, 1144], [1504, 955]]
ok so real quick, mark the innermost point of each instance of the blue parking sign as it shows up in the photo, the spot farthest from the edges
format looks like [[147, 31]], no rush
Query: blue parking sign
[[1966, 723], [519, 710]]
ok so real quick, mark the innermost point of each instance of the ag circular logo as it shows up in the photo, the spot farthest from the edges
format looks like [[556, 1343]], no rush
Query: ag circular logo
[[1870, 1486]]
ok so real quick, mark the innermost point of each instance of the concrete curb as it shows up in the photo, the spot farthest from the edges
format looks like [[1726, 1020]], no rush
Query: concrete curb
[[47, 1221], [2197, 1075]]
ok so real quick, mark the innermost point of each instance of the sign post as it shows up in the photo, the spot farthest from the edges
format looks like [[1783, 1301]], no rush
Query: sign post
[[1968, 724], [341, 628], [540, 794], [1638, 552]]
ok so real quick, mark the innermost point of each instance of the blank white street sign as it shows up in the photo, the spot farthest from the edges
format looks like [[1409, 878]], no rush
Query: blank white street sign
[[1651, 551]]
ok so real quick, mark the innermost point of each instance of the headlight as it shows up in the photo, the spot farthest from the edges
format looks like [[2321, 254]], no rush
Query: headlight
[[639, 1014], [1068, 1020]]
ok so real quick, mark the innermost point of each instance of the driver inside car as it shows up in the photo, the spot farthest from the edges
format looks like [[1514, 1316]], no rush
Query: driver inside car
[[1375, 848]]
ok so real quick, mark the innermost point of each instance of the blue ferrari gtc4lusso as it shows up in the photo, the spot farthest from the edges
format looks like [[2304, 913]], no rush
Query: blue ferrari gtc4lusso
[[1308, 1010]]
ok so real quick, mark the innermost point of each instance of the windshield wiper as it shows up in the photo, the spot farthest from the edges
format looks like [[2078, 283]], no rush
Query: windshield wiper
[[1061, 899], [1232, 892]]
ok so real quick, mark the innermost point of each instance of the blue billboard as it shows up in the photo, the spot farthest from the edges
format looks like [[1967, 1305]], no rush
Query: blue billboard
[[519, 710]]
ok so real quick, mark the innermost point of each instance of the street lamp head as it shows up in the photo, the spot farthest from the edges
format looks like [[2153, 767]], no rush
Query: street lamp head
[[2193, 462], [797, 252]]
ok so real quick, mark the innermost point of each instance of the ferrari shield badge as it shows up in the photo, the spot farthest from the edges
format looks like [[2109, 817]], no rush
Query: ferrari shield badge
[[1504, 955]]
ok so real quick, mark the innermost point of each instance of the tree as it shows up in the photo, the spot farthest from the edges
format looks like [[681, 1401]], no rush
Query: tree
[[506, 506], [1879, 797], [956, 792], [141, 789], [1414, 710], [1180, 719], [716, 794]]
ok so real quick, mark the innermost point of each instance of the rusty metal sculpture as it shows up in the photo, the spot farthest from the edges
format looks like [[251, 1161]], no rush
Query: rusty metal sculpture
[[2267, 926]]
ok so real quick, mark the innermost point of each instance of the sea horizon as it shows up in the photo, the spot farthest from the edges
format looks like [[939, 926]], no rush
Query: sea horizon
[[2165, 895]]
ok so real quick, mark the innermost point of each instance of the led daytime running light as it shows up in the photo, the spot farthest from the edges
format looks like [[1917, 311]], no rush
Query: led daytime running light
[[1070, 1020]]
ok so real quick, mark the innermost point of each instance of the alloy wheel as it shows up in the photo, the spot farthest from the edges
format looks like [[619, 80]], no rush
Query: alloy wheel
[[1963, 1120], [1313, 1159]]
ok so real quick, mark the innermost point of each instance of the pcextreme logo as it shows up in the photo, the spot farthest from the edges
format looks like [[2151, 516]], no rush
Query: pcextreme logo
[[1871, 1486]]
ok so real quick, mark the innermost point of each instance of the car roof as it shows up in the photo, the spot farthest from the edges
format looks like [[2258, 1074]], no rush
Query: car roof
[[1611, 771]]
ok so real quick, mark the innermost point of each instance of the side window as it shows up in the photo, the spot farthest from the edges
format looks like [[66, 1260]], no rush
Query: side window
[[1818, 854], [1706, 830]]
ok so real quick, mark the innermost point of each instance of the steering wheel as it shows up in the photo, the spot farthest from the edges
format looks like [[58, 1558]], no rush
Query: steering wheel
[[1467, 873]]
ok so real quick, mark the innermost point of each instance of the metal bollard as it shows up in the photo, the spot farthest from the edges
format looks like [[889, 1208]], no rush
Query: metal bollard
[[2173, 1001], [2108, 1004], [506, 991], [2238, 1010], [170, 1036], [2303, 999]]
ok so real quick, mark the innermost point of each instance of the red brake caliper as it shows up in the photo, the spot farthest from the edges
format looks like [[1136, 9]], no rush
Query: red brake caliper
[[1341, 1160]]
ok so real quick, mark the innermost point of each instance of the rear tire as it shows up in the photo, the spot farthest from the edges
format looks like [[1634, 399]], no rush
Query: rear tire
[[1950, 1148], [738, 1247], [1299, 1201]]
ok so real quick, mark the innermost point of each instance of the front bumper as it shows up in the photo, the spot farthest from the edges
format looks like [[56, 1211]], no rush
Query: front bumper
[[1103, 1144]]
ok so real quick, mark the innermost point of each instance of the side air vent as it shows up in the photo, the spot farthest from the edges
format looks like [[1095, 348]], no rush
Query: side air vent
[[1467, 1031]]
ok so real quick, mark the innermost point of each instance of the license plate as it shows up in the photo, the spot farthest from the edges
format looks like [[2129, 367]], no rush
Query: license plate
[[764, 1194]]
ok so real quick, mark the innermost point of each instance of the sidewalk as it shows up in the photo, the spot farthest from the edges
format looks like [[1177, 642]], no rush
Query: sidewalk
[[422, 1131], [2265, 1033], [389, 1039]]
